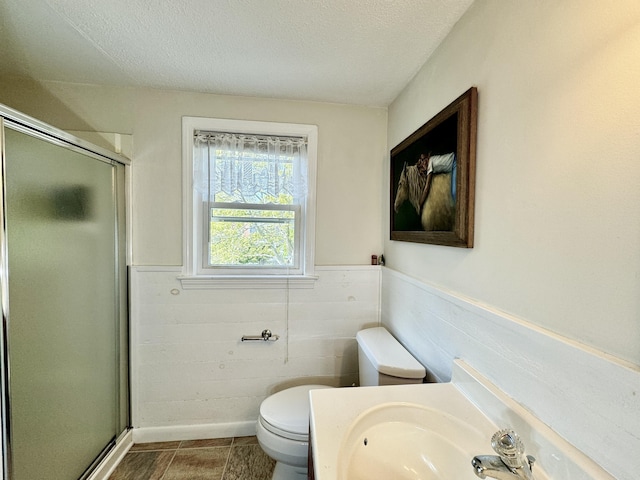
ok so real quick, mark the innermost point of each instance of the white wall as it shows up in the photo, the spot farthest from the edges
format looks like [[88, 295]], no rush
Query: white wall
[[351, 152], [351, 145], [557, 230], [192, 377], [557, 227], [546, 304]]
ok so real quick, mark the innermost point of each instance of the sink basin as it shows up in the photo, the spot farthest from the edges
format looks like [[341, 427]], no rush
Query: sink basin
[[408, 441], [430, 431]]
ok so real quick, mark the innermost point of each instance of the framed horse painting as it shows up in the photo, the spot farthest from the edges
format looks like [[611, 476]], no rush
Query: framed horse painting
[[433, 178]]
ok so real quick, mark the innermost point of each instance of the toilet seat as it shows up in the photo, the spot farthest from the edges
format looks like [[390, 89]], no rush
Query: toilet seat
[[283, 433], [286, 413]]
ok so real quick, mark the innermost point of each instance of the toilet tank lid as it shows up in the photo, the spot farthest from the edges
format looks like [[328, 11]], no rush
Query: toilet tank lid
[[388, 355]]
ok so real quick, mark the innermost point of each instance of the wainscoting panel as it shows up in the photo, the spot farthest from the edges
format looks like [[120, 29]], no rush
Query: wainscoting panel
[[589, 398], [192, 373]]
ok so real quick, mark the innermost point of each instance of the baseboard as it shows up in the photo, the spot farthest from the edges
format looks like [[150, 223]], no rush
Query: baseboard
[[194, 432], [109, 463]]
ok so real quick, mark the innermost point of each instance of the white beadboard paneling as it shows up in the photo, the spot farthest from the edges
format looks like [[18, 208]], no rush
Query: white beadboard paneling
[[207, 352], [326, 346], [189, 412], [589, 398], [182, 313], [554, 455], [187, 390], [190, 369], [215, 331], [190, 432]]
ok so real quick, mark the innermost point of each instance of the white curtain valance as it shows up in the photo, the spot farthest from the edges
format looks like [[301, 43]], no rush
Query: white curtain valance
[[247, 168]]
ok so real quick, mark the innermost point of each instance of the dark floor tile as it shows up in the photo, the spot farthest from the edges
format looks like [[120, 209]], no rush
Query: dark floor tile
[[208, 442], [138, 447], [248, 462], [143, 466], [245, 440], [198, 464]]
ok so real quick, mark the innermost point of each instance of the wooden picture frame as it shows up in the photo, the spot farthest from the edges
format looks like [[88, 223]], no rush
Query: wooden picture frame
[[437, 163]]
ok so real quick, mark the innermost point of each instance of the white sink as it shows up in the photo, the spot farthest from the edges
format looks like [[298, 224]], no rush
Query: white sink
[[430, 432], [408, 441], [413, 432]]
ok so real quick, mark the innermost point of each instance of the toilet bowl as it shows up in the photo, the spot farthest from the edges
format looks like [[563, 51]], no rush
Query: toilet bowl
[[283, 431], [283, 424]]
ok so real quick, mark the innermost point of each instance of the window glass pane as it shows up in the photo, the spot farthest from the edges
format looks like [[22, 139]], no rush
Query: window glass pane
[[252, 237]]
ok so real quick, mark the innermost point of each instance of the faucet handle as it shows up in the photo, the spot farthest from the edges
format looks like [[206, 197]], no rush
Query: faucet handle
[[508, 445]]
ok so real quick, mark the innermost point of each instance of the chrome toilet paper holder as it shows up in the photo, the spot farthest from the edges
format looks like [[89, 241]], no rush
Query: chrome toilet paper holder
[[265, 336]]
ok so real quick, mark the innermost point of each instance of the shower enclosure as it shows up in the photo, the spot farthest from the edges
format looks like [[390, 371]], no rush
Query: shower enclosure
[[64, 302]]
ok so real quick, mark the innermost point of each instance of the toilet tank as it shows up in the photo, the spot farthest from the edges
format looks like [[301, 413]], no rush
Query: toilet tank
[[382, 360]]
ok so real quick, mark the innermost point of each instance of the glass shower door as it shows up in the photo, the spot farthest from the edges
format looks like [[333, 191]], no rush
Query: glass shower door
[[64, 330]]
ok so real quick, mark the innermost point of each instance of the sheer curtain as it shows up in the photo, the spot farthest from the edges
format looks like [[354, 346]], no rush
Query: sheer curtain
[[254, 169]]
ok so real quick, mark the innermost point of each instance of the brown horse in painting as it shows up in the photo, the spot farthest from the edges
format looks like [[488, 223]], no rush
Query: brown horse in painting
[[438, 211]]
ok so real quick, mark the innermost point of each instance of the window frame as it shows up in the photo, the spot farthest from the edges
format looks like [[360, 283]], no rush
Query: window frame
[[195, 238]]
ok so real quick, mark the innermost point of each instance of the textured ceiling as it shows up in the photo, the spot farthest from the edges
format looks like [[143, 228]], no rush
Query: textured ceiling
[[345, 51]]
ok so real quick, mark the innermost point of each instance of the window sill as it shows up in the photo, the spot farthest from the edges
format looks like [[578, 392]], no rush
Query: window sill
[[247, 282]]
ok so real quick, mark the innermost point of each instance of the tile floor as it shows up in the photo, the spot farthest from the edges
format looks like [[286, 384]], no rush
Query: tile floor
[[239, 458]]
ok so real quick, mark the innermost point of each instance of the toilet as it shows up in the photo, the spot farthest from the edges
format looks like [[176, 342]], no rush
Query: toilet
[[283, 424], [283, 431]]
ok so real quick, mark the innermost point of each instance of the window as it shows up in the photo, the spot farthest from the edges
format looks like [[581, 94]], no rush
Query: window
[[251, 198]]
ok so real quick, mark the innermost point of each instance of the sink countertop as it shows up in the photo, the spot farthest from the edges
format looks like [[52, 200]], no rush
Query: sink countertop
[[470, 398], [333, 411]]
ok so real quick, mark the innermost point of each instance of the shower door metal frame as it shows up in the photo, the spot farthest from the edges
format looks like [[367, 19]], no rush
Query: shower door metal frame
[[10, 118]]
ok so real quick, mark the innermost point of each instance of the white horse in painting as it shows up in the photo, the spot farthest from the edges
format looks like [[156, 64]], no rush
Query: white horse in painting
[[438, 212]]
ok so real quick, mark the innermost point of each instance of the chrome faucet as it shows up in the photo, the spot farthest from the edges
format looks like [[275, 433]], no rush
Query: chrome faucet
[[510, 464]]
